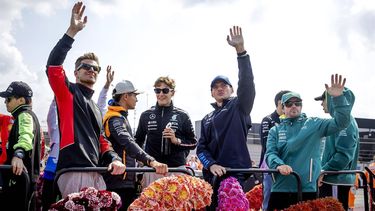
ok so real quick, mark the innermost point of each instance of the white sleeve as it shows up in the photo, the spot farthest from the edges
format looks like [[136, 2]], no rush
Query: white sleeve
[[102, 104], [53, 129]]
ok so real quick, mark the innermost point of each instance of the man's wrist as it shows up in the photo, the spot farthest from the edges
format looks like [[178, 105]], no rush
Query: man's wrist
[[178, 141], [19, 153], [241, 53]]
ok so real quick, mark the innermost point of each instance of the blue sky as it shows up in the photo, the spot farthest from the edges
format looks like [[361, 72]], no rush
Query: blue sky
[[293, 45]]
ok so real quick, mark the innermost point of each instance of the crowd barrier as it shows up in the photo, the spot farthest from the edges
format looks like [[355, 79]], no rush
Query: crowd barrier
[[105, 169]]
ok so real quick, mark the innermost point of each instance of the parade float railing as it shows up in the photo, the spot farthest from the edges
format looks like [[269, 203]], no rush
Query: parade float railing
[[364, 180], [105, 169], [264, 171], [371, 185]]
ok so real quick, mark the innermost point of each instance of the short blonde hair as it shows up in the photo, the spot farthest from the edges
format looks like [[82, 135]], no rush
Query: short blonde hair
[[90, 56], [165, 79]]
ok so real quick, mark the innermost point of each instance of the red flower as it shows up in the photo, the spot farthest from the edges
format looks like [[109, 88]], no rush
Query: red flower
[[255, 197], [322, 204]]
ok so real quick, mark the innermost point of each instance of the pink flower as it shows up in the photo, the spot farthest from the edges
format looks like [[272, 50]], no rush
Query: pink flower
[[89, 199], [231, 196]]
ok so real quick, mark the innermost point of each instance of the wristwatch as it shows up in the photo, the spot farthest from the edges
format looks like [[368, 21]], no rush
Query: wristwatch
[[19, 154]]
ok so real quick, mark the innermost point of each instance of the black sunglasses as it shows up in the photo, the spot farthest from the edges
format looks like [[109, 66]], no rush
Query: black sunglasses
[[88, 67], [164, 90], [8, 99], [290, 104]]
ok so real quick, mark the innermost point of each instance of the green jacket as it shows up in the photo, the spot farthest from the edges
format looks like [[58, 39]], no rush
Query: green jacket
[[296, 142], [341, 148]]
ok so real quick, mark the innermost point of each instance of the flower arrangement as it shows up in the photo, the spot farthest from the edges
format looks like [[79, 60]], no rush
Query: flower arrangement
[[89, 199], [255, 197], [231, 196], [322, 204], [181, 192]]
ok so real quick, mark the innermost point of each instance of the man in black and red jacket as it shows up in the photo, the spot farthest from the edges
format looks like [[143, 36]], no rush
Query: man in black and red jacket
[[80, 120]]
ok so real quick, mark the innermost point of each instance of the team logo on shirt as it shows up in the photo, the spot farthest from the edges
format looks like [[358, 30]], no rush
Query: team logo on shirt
[[152, 116], [282, 136], [174, 117]]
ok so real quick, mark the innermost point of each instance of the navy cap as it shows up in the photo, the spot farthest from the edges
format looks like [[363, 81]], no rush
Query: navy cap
[[289, 95], [220, 78], [17, 88]]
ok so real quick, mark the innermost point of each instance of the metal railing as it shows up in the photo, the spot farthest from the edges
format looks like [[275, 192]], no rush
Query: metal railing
[[269, 171], [27, 183], [371, 185], [361, 173], [105, 169], [257, 170]]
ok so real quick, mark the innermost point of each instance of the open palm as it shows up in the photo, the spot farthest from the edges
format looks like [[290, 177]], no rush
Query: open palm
[[337, 85], [76, 21], [235, 38]]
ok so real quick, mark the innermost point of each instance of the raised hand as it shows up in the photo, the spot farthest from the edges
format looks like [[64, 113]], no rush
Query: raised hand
[[235, 39], [110, 75], [77, 23], [337, 85]]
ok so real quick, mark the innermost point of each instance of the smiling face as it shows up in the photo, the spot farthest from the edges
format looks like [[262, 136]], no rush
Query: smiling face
[[163, 98], [87, 76], [292, 108], [221, 91]]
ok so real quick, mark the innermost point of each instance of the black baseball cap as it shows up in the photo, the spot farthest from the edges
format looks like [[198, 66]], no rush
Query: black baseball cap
[[17, 88], [322, 97]]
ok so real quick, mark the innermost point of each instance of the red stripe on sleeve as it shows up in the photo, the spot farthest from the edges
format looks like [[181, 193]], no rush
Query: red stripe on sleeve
[[64, 101]]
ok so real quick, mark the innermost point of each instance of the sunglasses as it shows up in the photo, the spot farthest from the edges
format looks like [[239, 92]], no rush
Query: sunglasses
[[88, 67], [290, 104], [164, 90], [8, 99]]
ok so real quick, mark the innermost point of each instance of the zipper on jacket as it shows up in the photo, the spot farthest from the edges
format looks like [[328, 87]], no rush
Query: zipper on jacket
[[162, 141], [311, 168]]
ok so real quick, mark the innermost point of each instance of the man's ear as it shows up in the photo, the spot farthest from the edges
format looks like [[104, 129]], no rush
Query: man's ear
[[21, 100], [75, 73]]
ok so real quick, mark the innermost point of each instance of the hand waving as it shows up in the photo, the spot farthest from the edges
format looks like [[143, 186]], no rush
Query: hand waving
[[110, 75], [77, 23], [337, 85], [235, 39]]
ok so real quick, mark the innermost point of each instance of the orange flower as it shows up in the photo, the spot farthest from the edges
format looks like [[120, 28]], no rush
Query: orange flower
[[182, 192]]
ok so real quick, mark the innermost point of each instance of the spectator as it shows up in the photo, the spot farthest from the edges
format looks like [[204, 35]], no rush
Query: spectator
[[294, 145], [267, 123], [340, 153], [193, 162], [119, 133], [169, 131], [224, 131], [23, 150], [80, 120]]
